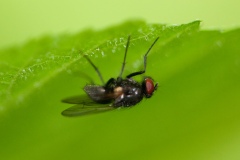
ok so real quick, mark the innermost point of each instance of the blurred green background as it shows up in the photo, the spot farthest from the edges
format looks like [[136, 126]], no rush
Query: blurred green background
[[193, 115], [21, 20]]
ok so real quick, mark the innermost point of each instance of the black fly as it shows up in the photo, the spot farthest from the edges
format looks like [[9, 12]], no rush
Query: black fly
[[114, 94]]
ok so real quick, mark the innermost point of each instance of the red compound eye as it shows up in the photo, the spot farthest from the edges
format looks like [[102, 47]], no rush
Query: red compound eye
[[149, 87]]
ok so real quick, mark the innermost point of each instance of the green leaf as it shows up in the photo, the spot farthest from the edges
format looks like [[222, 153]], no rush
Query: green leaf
[[194, 114]]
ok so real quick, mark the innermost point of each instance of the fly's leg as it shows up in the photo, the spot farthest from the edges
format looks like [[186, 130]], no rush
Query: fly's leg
[[124, 60], [145, 62], [96, 69], [111, 84]]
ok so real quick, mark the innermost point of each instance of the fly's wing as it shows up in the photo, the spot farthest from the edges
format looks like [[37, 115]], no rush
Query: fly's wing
[[98, 94], [81, 110], [97, 101], [82, 99]]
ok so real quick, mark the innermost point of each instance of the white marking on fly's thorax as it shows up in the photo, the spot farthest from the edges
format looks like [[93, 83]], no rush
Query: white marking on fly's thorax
[[118, 91], [122, 96]]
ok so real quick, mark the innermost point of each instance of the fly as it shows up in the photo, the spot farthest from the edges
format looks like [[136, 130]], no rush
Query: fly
[[115, 93]]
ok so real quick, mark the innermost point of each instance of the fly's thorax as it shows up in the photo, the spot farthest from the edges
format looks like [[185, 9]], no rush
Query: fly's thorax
[[129, 93], [131, 87]]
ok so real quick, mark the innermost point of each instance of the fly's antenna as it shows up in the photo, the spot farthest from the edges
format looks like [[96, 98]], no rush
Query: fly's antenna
[[125, 55], [96, 69]]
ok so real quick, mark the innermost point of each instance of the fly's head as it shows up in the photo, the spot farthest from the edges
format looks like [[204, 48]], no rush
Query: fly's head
[[148, 87]]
